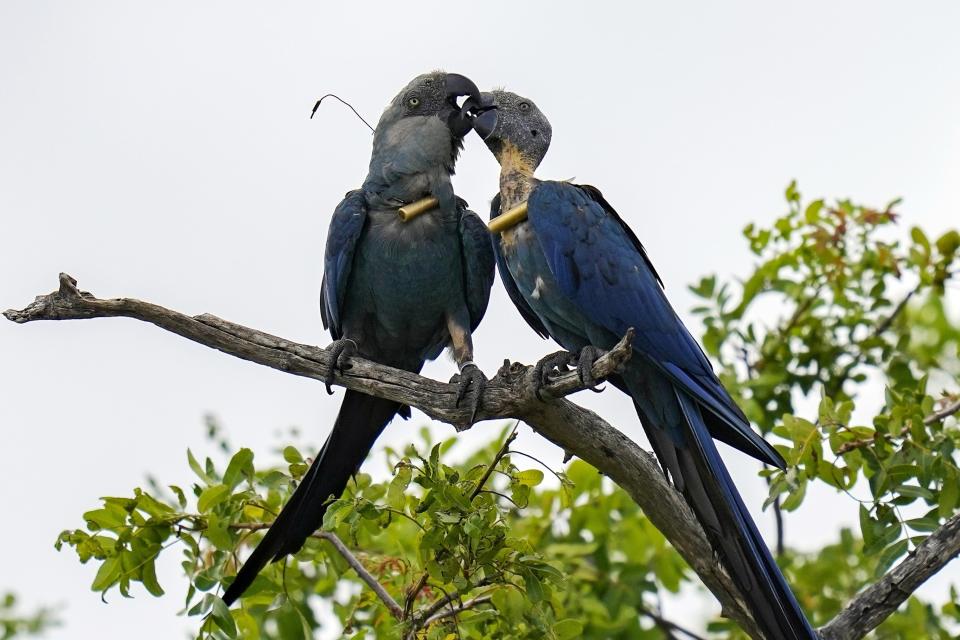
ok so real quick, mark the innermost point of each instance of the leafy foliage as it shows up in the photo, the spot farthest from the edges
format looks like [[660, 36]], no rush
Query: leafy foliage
[[839, 345], [18, 625], [843, 291], [562, 562]]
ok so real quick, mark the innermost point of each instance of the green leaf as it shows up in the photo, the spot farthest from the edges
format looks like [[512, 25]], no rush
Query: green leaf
[[915, 492], [533, 586], [949, 242], [108, 574], [148, 575], [926, 524], [791, 192], [197, 469], [240, 467], [530, 477], [795, 497], [212, 496], [812, 212], [510, 603], [397, 492], [920, 238], [567, 629], [221, 616]]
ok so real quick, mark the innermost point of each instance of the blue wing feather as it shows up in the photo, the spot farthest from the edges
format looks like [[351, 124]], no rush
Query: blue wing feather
[[346, 225], [601, 266], [478, 263]]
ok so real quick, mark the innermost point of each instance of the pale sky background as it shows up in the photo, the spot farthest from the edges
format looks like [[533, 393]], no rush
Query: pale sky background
[[163, 151]]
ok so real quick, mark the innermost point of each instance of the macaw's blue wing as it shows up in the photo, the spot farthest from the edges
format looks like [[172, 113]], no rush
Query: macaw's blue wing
[[345, 229], [600, 265], [509, 283], [478, 263]]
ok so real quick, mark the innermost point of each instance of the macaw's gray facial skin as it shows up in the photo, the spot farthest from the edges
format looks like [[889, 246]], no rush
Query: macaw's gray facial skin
[[577, 273], [396, 292]]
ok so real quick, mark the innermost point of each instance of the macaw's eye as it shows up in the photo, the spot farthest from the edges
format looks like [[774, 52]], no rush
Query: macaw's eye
[[413, 102], [524, 106]]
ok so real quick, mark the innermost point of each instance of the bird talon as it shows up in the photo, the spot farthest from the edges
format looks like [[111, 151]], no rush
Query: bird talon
[[554, 362], [585, 361], [471, 383], [340, 352]]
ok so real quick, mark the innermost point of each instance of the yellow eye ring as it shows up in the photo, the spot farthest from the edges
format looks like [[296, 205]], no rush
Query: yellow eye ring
[[413, 102]]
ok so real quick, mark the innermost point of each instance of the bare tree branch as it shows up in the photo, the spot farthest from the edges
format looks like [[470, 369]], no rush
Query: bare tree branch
[[365, 575], [875, 603], [395, 609], [510, 394]]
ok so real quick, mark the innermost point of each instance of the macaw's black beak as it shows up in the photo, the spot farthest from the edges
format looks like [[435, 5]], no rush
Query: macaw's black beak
[[461, 120], [484, 119]]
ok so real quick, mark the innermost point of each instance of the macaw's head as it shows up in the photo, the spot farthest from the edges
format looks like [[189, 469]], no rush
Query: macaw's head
[[429, 116], [512, 125]]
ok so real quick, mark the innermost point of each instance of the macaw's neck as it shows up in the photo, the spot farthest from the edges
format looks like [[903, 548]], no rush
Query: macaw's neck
[[516, 177]]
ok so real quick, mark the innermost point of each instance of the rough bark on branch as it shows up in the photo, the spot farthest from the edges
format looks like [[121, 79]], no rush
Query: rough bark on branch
[[872, 605], [510, 394]]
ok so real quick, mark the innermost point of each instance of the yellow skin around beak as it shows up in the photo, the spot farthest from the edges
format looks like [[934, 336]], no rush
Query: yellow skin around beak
[[509, 219], [410, 211]]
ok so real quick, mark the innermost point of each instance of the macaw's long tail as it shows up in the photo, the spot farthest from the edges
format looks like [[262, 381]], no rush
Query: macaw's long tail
[[361, 420], [683, 443]]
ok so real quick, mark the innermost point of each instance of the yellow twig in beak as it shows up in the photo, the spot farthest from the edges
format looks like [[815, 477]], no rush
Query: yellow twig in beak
[[509, 219], [410, 211]]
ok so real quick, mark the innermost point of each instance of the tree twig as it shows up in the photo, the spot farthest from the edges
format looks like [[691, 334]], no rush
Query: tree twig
[[872, 605], [395, 609], [365, 575], [493, 463], [413, 593], [668, 626], [452, 611], [444, 600], [950, 409]]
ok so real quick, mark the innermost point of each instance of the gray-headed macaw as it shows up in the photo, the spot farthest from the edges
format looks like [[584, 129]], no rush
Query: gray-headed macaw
[[577, 273], [396, 292]]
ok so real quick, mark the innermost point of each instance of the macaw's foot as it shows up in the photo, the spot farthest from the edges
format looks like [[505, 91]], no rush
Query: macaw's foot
[[340, 352], [471, 383], [547, 365], [585, 359]]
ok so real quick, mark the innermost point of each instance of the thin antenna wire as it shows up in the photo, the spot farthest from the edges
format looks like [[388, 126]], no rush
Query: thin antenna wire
[[333, 95]]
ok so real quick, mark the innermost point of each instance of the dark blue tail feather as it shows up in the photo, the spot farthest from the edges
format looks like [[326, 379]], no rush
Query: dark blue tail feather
[[753, 568], [360, 422]]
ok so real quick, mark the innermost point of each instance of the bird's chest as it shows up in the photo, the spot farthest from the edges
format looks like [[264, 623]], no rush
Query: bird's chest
[[531, 272], [409, 268]]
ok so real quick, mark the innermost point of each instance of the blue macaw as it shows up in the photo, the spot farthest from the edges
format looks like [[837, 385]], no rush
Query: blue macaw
[[579, 274], [396, 292]]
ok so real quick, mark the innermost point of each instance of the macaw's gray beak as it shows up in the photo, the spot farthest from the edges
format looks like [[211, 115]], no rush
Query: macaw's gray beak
[[461, 120]]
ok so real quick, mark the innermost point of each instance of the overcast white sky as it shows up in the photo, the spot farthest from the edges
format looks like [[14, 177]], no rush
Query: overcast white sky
[[163, 151]]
